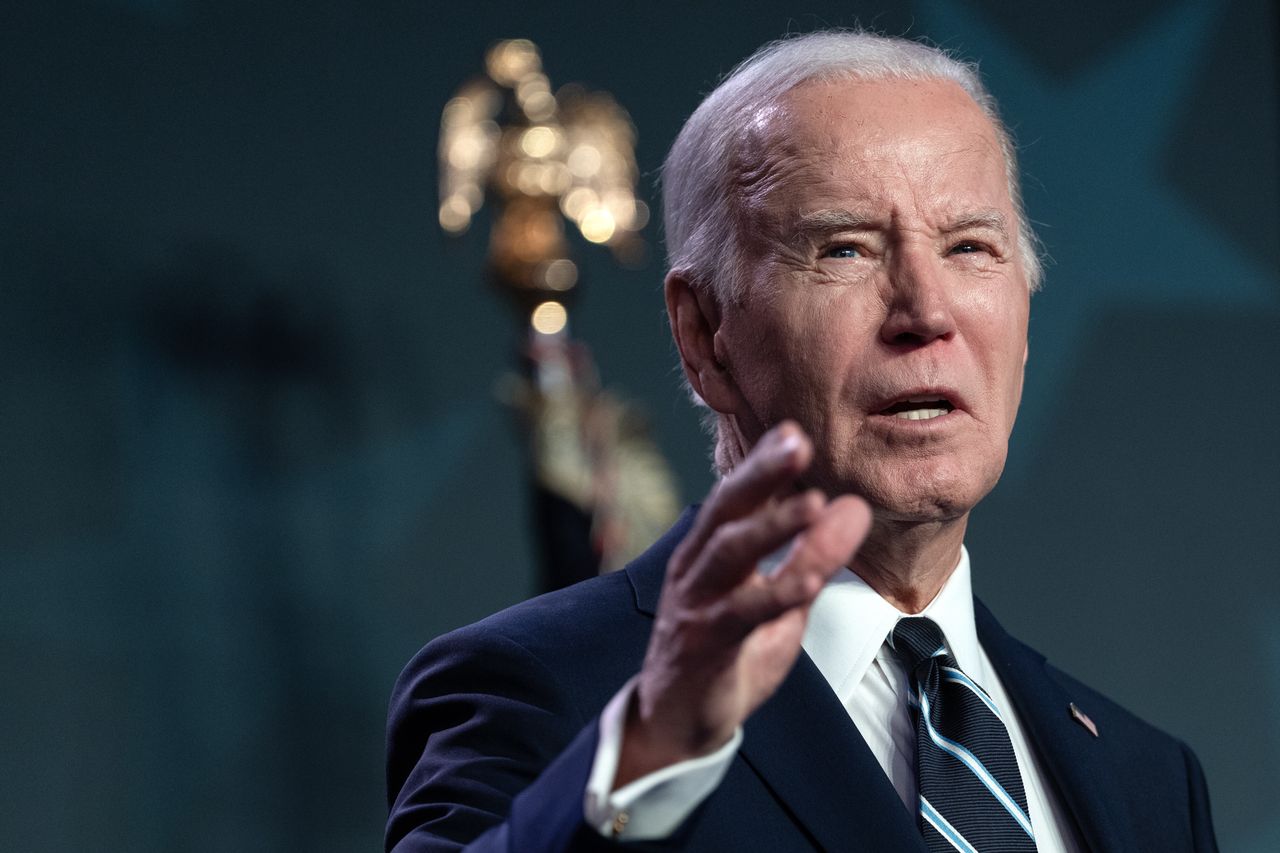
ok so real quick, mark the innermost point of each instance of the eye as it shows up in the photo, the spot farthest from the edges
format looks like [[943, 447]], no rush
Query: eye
[[967, 247], [843, 252]]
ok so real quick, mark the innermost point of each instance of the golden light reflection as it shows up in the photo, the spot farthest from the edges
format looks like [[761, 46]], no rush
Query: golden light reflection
[[598, 225], [584, 161], [549, 318], [511, 60], [527, 175], [468, 151], [553, 179], [455, 214], [538, 141], [465, 152], [473, 195], [621, 205], [560, 274], [533, 85], [578, 201], [641, 217], [540, 106], [569, 152], [456, 110]]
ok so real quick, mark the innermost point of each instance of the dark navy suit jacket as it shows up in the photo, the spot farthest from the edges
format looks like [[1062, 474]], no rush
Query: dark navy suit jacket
[[493, 729]]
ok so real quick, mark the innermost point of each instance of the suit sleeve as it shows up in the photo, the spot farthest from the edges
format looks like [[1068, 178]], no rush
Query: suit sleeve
[[486, 752], [1202, 835]]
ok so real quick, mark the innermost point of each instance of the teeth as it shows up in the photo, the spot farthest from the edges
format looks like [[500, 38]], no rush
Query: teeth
[[920, 414]]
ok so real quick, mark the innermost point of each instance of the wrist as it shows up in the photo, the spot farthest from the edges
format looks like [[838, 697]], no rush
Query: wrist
[[651, 743]]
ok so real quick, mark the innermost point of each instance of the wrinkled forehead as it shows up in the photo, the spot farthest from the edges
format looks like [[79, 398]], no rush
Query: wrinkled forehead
[[861, 140]]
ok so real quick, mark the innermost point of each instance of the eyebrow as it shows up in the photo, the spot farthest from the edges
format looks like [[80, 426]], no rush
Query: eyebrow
[[991, 218], [832, 220], [816, 226]]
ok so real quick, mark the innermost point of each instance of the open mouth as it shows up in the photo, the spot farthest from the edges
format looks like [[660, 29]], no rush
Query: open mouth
[[919, 408]]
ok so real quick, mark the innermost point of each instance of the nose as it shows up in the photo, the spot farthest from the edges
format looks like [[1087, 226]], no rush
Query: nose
[[919, 301]]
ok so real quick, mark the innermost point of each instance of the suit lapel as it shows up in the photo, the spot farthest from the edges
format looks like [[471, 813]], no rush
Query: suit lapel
[[1073, 757], [803, 746], [647, 571], [808, 752]]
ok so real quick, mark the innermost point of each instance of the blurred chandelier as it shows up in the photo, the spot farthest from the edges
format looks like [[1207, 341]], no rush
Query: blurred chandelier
[[568, 155]]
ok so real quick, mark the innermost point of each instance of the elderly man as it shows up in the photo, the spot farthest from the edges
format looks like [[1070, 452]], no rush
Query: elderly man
[[801, 664]]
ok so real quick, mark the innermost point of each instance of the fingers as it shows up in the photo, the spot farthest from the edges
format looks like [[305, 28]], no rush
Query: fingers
[[771, 467], [735, 548], [830, 541], [817, 554], [752, 605]]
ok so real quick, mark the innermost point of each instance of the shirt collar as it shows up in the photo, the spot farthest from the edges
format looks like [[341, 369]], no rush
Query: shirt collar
[[952, 610], [849, 622]]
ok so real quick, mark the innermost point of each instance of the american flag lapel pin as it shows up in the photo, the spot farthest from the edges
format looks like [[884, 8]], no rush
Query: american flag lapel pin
[[1083, 719]]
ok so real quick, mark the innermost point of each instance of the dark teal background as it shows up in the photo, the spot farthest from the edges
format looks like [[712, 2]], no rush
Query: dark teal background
[[251, 459]]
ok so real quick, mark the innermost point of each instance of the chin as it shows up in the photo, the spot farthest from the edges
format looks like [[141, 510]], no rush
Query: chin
[[922, 509], [927, 493]]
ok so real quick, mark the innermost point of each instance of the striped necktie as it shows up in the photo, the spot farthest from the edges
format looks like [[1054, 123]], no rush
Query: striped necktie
[[971, 795]]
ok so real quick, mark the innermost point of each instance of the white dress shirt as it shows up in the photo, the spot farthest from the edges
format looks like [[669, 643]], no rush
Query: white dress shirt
[[848, 626]]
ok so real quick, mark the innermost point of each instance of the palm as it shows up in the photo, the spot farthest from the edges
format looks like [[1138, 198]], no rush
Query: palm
[[726, 636]]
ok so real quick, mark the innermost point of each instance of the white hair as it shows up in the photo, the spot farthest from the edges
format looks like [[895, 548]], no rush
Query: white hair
[[699, 201]]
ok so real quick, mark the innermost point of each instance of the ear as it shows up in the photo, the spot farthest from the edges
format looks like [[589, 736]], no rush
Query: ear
[[695, 319]]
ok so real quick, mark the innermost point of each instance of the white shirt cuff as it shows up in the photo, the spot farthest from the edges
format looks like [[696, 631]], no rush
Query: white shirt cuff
[[651, 807]]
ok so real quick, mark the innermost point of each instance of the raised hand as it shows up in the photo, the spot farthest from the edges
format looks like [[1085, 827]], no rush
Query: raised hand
[[726, 635]]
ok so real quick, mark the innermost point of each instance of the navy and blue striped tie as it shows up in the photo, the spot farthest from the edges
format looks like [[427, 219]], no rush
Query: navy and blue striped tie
[[971, 794]]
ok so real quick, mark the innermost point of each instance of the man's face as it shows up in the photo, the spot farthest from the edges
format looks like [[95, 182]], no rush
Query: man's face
[[886, 307]]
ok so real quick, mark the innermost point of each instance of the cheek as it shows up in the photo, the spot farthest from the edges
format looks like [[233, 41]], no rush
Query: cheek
[[998, 331], [1009, 346], [825, 334], [799, 357]]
